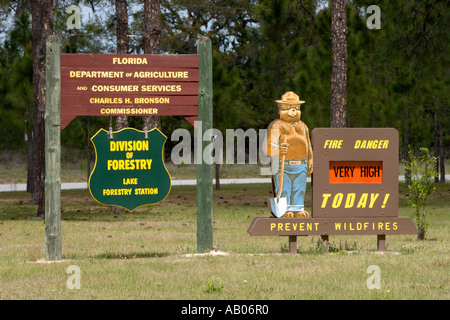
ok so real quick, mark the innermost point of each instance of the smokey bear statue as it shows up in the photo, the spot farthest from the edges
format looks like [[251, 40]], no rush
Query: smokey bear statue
[[288, 142]]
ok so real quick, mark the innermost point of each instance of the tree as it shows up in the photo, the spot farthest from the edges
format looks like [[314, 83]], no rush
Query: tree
[[42, 27], [339, 65], [397, 76], [228, 87], [16, 90], [423, 171], [152, 40], [418, 63], [122, 45], [270, 67], [313, 69], [16, 77]]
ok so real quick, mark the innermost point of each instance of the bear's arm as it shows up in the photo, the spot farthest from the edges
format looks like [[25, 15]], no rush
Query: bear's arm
[[273, 139]]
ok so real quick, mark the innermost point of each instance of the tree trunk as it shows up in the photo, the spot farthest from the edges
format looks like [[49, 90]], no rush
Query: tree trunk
[[406, 145], [420, 234], [217, 166], [372, 67], [152, 39], [122, 44], [217, 172], [441, 152], [88, 148], [122, 26], [30, 158], [339, 63], [436, 145], [42, 27]]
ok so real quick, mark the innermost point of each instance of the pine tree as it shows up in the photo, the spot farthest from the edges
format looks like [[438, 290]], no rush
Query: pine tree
[[270, 71], [122, 45], [42, 27], [152, 39], [339, 32]]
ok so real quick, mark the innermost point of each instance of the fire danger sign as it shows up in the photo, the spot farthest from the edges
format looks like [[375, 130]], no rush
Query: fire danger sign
[[355, 172]]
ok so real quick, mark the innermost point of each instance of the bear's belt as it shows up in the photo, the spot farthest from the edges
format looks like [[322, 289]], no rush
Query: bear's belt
[[295, 162]]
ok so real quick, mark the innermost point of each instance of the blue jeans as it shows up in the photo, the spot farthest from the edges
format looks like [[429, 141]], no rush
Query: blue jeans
[[294, 185]]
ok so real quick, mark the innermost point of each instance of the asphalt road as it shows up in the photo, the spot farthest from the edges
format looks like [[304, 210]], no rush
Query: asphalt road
[[192, 182]]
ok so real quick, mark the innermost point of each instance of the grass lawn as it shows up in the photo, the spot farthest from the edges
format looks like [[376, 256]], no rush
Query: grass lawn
[[151, 253], [13, 169]]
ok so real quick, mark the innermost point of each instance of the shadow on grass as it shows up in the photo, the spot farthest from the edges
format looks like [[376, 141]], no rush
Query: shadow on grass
[[78, 205], [130, 255]]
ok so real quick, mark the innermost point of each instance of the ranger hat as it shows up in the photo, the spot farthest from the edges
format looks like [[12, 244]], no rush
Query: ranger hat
[[290, 98]]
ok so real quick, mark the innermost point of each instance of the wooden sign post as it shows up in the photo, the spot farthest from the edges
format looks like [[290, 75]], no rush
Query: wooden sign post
[[53, 251], [134, 85], [204, 170]]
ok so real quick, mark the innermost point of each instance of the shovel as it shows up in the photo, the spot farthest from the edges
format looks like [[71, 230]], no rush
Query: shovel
[[278, 205]]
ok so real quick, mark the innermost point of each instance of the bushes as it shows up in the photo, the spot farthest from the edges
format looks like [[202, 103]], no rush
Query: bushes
[[422, 170]]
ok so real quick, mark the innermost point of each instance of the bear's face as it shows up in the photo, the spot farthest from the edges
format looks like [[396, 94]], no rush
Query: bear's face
[[290, 113]]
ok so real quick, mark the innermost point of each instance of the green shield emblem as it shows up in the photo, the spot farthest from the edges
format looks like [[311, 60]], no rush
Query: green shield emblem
[[129, 169]]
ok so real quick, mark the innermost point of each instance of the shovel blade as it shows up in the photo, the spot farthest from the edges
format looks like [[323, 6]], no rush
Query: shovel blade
[[278, 206]]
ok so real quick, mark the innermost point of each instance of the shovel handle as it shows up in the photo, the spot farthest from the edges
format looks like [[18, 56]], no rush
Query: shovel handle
[[283, 157]]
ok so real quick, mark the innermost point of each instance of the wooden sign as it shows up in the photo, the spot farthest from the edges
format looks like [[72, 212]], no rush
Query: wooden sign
[[165, 86], [355, 172], [129, 169], [354, 189], [331, 226], [128, 85]]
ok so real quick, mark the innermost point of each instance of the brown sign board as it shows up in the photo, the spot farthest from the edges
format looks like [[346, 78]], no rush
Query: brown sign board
[[355, 172], [128, 85], [270, 226]]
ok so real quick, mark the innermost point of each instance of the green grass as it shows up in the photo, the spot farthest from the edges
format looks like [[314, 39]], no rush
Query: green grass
[[150, 253]]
